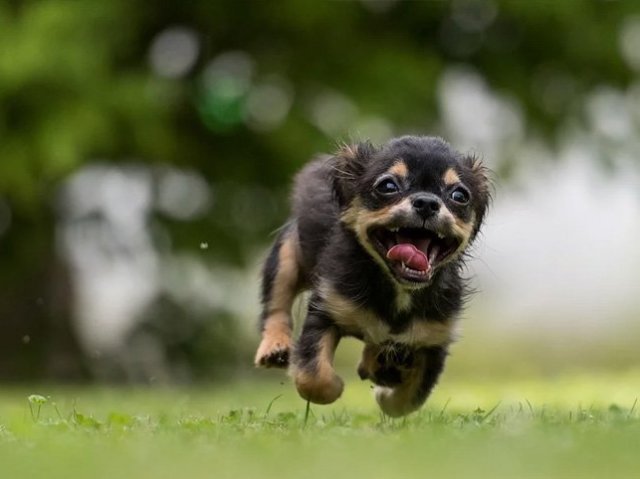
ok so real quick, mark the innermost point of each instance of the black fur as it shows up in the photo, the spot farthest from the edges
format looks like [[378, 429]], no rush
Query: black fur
[[269, 271]]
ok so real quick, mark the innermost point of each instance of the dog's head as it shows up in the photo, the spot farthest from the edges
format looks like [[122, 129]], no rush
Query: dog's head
[[414, 204]]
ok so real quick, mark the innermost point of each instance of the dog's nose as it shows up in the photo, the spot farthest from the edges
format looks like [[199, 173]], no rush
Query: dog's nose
[[426, 204]]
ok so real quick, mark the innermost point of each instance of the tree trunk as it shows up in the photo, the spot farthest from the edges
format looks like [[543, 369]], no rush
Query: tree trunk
[[37, 340]]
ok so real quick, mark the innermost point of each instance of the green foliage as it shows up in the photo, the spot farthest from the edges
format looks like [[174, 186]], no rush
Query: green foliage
[[75, 84], [77, 87]]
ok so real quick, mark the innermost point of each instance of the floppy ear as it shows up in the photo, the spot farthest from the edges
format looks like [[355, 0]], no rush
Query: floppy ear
[[480, 178], [348, 165]]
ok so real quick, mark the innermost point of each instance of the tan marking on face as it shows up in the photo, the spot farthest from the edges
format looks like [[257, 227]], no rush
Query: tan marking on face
[[399, 169], [451, 177], [321, 385], [360, 220], [462, 229]]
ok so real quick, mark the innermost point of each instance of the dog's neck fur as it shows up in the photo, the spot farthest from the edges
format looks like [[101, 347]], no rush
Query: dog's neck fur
[[357, 276]]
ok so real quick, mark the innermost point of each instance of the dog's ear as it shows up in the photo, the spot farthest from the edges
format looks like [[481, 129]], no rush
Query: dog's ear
[[479, 177], [348, 165]]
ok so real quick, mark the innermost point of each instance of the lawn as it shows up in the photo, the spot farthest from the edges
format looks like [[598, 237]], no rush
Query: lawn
[[573, 425]]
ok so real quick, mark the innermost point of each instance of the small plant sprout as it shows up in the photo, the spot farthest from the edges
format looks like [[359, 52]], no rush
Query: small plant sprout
[[35, 405]]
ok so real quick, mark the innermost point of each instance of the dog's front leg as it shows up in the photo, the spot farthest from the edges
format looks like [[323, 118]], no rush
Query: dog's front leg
[[280, 284], [312, 369], [412, 392]]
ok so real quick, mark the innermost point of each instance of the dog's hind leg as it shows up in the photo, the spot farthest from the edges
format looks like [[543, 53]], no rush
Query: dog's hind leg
[[412, 392], [281, 282]]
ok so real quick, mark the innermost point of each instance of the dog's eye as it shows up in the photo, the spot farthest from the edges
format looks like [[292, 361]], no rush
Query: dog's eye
[[387, 187], [460, 195]]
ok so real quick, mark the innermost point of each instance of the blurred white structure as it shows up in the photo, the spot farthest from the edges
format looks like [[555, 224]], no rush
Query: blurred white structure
[[560, 248], [562, 252]]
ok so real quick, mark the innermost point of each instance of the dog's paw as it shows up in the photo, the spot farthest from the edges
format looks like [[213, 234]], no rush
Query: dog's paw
[[387, 364], [318, 388], [273, 352], [395, 402]]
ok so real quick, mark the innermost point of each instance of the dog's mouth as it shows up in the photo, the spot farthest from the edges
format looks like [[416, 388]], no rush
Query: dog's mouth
[[413, 254]]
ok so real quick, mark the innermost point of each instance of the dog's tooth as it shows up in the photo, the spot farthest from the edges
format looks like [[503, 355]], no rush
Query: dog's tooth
[[440, 235], [394, 230]]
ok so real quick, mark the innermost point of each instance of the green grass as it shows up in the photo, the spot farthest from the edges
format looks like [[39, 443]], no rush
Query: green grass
[[568, 426]]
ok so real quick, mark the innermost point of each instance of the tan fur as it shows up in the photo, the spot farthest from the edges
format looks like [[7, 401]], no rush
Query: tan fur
[[354, 318], [322, 385], [369, 365], [451, 177], [368, 362], [460, 228], [403, 298], [276, 335], [344, 312], [284, 284], [399, 169], [399, 400], [360, 220], [463, 229]]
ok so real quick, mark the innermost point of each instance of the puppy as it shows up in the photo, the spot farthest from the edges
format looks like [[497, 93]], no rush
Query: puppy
[[378, 234]]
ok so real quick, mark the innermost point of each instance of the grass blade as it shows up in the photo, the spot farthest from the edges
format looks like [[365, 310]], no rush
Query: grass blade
[[266, 413], [306, 414]]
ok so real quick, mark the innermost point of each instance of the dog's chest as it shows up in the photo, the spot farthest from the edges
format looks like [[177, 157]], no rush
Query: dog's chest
[[362, 322], [418, 332]]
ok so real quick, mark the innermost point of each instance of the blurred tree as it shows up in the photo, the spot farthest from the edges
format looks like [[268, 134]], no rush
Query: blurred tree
[[269, 85]]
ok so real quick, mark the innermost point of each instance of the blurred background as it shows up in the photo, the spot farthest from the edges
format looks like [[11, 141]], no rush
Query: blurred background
[[147, 149]]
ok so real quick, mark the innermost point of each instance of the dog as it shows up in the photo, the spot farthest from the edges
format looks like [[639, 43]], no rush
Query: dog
[[379, 235]]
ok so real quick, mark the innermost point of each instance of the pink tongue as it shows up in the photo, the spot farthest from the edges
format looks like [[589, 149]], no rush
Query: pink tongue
[[409, 255]]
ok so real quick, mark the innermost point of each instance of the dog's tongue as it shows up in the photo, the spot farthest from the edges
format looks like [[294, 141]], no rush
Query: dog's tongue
[[409, 255]]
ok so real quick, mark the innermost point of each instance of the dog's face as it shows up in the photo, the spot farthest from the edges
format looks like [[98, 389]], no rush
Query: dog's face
[[415, 204]]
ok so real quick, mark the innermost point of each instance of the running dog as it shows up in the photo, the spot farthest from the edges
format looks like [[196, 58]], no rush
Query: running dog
[[379, 236]]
